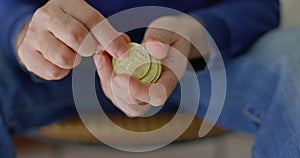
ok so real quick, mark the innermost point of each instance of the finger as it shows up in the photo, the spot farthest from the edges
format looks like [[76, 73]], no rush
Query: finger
[[122, 100], [182, 46], [37, 64], [126, 38], [105, 87], [111, 41], [130, 110], [104, 73], [179, 53], [106, 90], [104, 67], [171, 73], [56, 51], [102, 30], [122, 91], [104, 70], [74, 34], [167, 82], [82, 12], [157, 42], [154, 94]]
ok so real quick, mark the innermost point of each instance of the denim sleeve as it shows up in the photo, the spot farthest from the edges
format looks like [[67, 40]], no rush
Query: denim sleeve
[[13, 15], [235, 24]]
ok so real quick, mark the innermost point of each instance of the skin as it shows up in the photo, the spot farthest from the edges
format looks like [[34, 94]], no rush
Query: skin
[[50, 42], [132, 96], [48, 45]]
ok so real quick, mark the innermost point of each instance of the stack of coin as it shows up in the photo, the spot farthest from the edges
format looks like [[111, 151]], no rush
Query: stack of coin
[[139, 64]]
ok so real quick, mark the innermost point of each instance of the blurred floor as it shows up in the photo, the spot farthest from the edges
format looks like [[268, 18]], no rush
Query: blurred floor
[[229, 145]]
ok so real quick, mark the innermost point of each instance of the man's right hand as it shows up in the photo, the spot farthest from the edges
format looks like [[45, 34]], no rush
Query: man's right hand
[[50, 43]]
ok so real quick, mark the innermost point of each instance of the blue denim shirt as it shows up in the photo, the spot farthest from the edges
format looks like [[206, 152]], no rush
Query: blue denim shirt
[[233, 24]]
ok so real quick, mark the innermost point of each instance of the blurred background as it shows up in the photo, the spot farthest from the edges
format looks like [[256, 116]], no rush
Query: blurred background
[[229, 145], [220, 145]]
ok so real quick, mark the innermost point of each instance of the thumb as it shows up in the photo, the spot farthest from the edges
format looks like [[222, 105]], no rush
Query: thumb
[[157, 42]]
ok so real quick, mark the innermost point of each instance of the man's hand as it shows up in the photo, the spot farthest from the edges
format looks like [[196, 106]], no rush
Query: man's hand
[[49, 44], [162, 40]]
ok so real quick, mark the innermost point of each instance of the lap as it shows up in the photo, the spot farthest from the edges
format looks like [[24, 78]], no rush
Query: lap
[[27, 103], [263, 94], [269, 73], [278, 54], [253, 79], [266, 75]]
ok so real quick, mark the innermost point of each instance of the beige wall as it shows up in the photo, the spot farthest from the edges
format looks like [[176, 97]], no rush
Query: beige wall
[[290, 12]]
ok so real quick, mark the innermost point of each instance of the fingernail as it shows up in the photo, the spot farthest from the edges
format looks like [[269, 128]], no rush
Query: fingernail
[[156, 48], [159, 43], [121, 81], [158, 94]]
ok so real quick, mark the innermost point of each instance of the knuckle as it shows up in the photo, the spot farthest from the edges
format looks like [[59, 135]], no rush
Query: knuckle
[[42, 42], [54, 74], [30, 68], [92, 19], [64, 60], [76, 36], [31, 31], [33, 69], [42, 13], [23, 49], [76, 61]]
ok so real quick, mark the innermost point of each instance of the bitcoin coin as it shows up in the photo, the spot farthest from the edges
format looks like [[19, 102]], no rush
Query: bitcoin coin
[[136, 63], [159, 70], [139, 64], [152, 73]]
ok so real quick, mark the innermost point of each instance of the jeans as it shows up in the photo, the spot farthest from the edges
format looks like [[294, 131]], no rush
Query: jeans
[[262, 97]]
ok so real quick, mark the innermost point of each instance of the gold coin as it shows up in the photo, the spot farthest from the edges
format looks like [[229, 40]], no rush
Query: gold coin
[[159, 70], [136, 63], [114, 61], [151, 75]]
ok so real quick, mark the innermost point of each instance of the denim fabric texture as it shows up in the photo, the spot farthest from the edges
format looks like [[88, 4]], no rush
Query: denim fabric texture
[[262, 97]]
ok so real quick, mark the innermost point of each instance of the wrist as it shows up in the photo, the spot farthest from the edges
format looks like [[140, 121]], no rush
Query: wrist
[[196, 37]]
